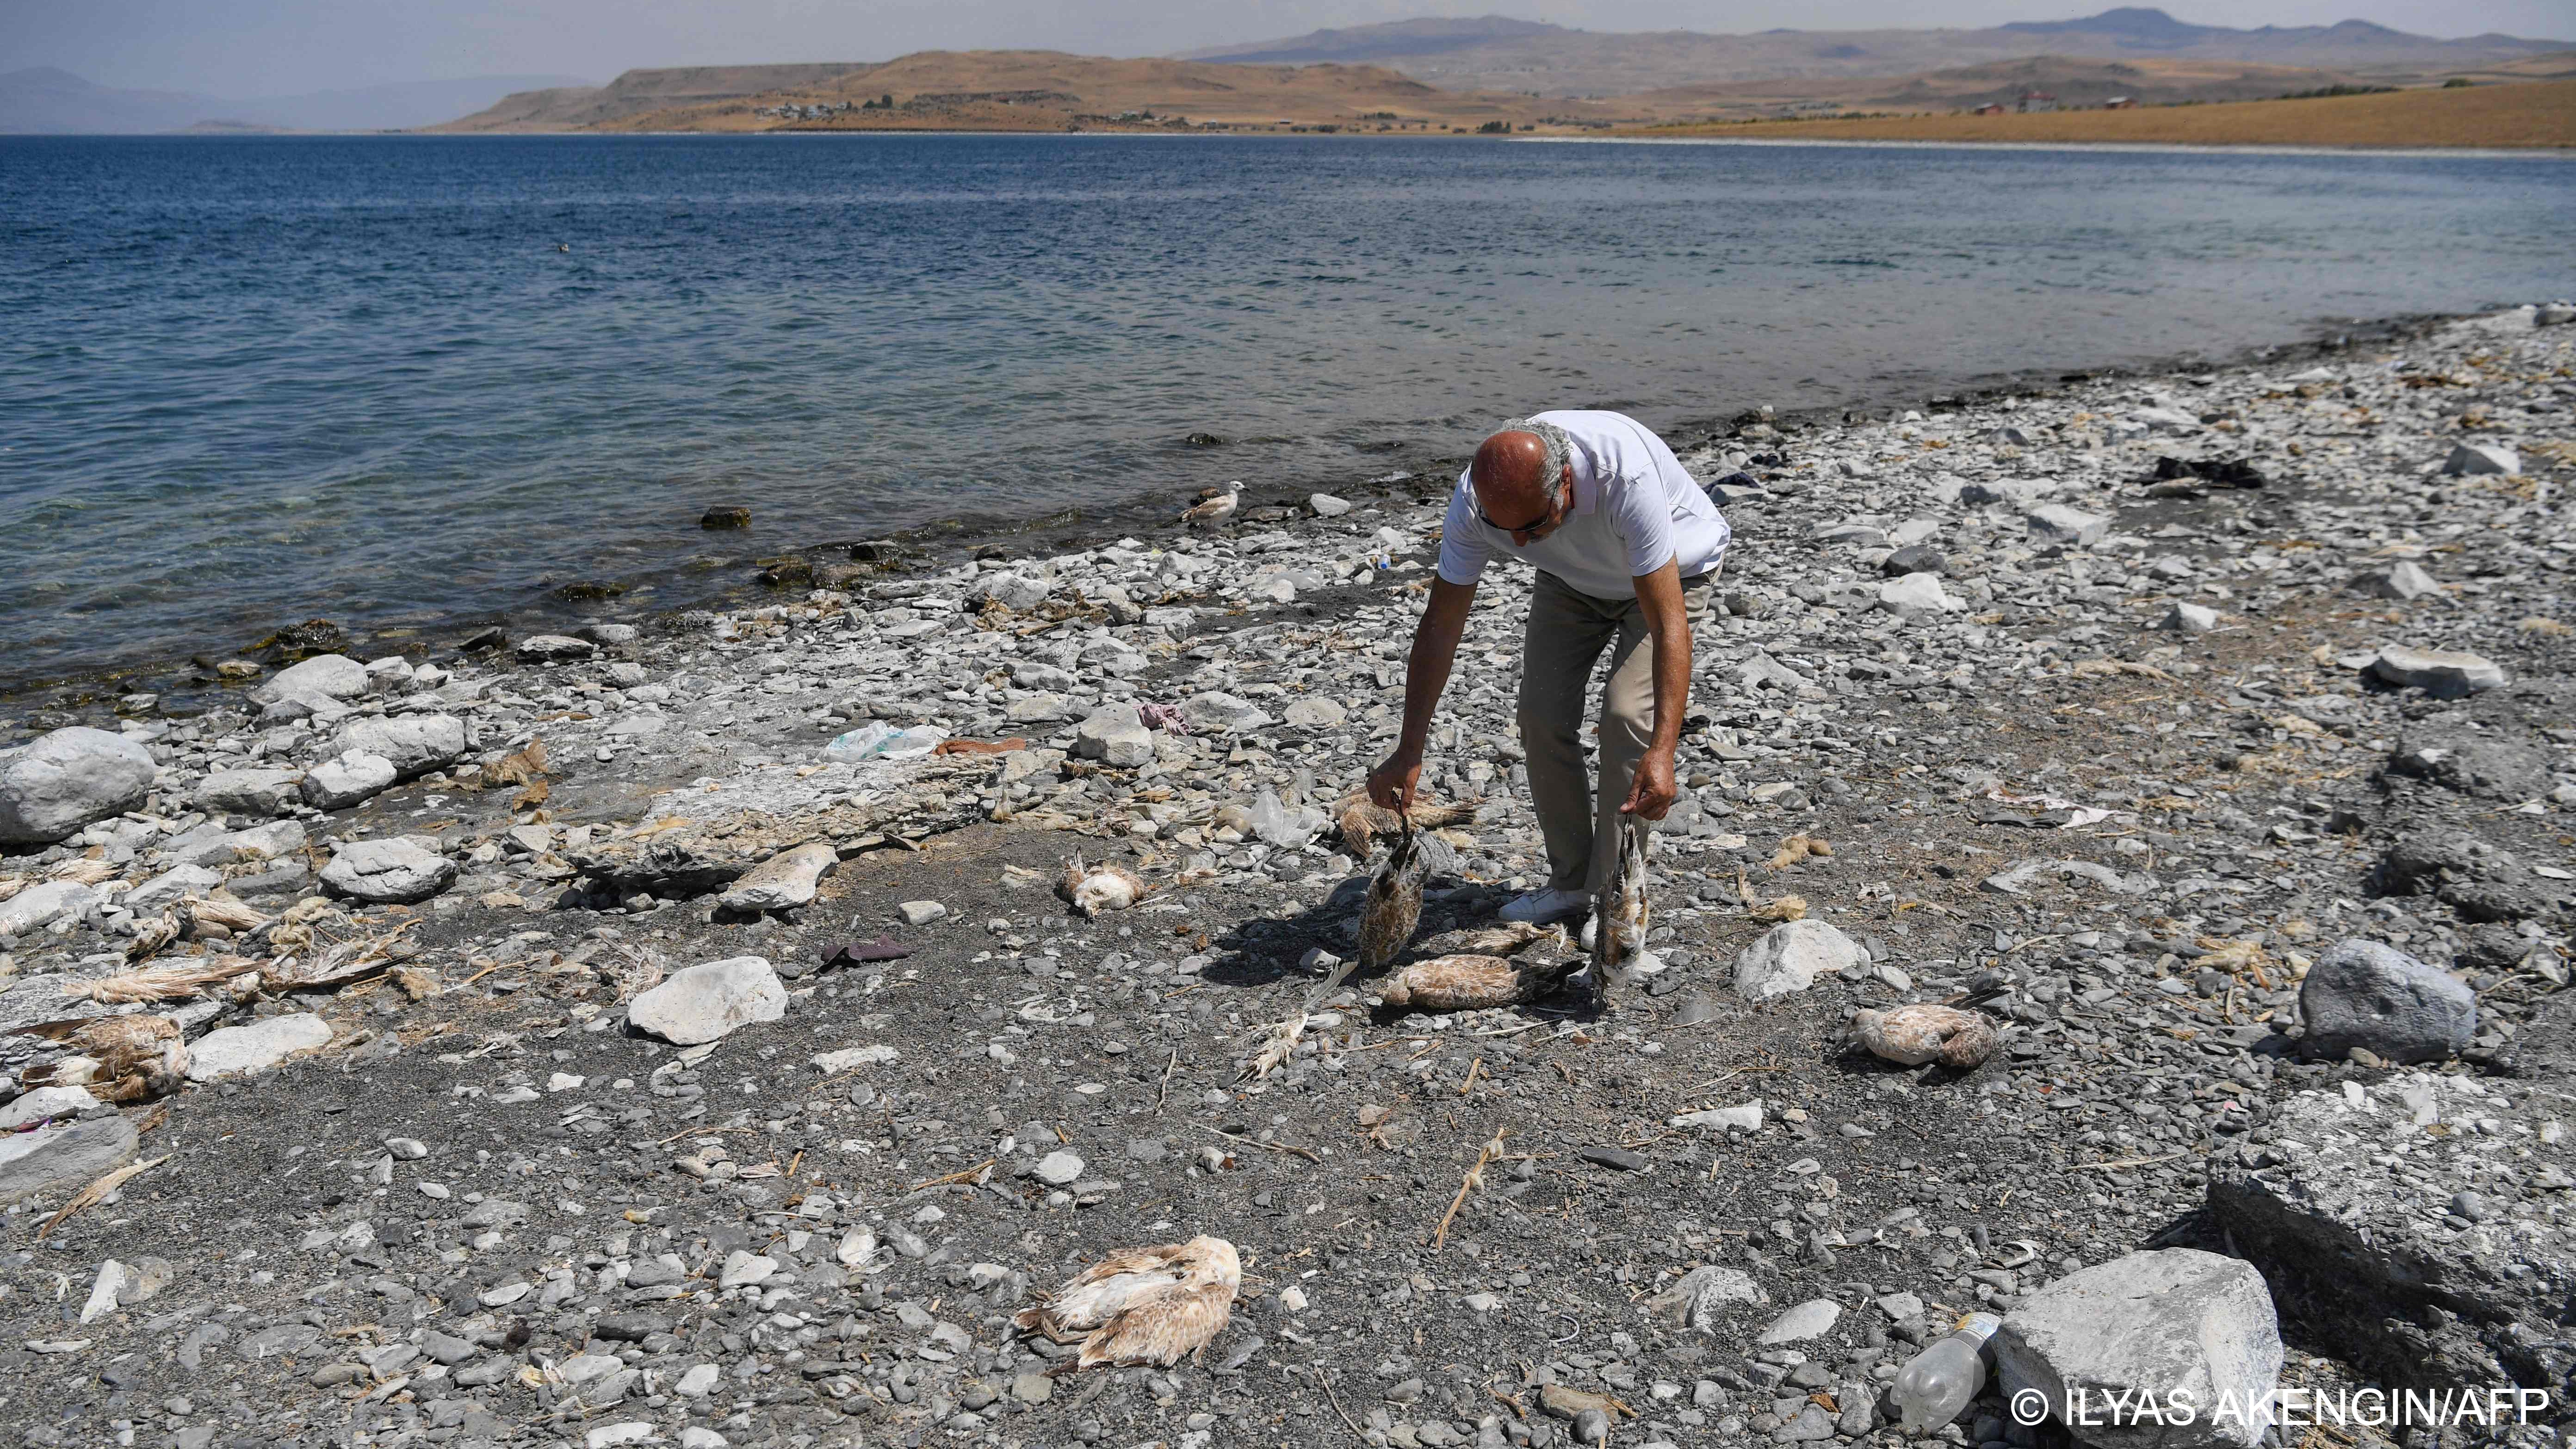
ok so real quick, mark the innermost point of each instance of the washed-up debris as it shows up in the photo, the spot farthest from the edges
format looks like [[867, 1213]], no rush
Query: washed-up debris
[[851, 953], [1141, 1306]]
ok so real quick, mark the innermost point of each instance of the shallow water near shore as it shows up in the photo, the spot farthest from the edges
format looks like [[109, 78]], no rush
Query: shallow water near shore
[[394, 381]]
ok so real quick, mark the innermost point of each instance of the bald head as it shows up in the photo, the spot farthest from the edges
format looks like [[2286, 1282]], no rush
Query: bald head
[[1517, 476]]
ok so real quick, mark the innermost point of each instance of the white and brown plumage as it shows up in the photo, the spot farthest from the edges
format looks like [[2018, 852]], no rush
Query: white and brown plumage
[[1215, 510], [1394, 905], [1152, 1306], [1922, 1032], [1509, 938], [1619, 926], [1108, 886], [1363, 820], [122, 1058], [1472, 983]]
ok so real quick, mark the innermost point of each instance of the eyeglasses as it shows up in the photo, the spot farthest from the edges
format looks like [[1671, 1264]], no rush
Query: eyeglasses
[[1534, 525]]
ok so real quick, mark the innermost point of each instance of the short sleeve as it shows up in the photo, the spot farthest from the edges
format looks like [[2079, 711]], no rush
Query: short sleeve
[[1463, 553], [1644, 518]]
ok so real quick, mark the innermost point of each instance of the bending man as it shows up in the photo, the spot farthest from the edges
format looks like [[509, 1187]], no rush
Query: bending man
[[1627, 548]]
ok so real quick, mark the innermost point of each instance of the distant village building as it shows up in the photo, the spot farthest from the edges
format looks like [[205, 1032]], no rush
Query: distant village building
[[2121, 103], [2033, 102], [1991, 108]]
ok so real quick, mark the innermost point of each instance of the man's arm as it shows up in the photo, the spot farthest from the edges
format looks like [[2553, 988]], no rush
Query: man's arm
[[1426, 676], [1659, 598]]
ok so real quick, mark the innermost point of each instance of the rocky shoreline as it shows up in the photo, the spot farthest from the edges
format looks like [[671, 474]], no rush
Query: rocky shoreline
[[641, 1035]]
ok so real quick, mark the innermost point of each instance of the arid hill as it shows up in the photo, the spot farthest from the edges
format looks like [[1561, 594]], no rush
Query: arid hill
[[2069, 81], [2534, 114], [1013, 90], [1494, 53]]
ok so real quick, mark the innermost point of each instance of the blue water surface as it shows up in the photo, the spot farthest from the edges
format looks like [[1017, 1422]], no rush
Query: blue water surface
[[393, 381]]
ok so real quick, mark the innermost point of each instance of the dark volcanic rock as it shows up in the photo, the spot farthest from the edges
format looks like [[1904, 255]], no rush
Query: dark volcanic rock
[[2364, 994]]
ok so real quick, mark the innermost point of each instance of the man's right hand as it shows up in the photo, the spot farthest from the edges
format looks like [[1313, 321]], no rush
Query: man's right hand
[[1392, 783]]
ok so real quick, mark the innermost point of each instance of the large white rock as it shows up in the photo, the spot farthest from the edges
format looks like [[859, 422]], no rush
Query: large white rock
[[1810, 1319], [255, 1048], [1018, 593], [414, 744], [1114, 734], [1315, 712], [2402, 580], [2073, 527], [324, 676], [2174, 1324], [1790, 957], [2481, 458], [1230, 714], [68, 779], [41, 905], [387, 872], [169, 887], [784, 881], [347, 779], [1915, 595], [64, 1102], [705, 1002], [2448, 673], [2186, 618], [250, 792], [61, 1158]]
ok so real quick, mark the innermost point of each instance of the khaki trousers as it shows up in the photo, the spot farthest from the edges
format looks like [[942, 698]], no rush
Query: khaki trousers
[[1567, 632]]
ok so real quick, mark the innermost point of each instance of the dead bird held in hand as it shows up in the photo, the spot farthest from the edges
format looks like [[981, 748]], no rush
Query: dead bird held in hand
[[1619, 923], [1154, 1305], [1394, 902], [1362, 820]]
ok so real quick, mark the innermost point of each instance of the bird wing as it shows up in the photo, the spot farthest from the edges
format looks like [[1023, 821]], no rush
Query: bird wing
[[1100, 1291], [1165, 1328]]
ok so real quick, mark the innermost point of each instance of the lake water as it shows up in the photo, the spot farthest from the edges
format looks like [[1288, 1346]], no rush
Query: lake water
[[398, 381]]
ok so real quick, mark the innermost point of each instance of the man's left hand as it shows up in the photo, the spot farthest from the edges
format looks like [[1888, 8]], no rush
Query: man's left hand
[[1653, 792]]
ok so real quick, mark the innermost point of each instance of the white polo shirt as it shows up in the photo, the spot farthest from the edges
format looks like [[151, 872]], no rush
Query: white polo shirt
[[1636, 509]]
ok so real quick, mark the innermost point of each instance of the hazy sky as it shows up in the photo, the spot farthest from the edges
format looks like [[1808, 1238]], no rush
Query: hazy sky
[[245, 48]]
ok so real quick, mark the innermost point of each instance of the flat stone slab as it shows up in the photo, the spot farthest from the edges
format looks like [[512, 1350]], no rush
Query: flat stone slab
[[2418, 1220], [257, 1047], [64, 1158], [708, 1001]]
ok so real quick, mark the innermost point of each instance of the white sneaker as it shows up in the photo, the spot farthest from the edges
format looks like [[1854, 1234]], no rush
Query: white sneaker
[[1542, 906]]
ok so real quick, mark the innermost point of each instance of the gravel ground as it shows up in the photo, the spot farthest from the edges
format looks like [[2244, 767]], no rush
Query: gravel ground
[[488, 1211]]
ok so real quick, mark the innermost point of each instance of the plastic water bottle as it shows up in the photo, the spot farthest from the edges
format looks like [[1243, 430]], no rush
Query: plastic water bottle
[[1937, 1383]]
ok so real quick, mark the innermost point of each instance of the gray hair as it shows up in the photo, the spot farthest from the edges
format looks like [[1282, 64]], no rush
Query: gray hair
[[1558, 442]]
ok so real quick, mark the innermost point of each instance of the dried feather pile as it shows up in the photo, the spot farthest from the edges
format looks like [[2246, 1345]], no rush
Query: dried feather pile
[[1143, 1306], [1798, 847], [164, 983]]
